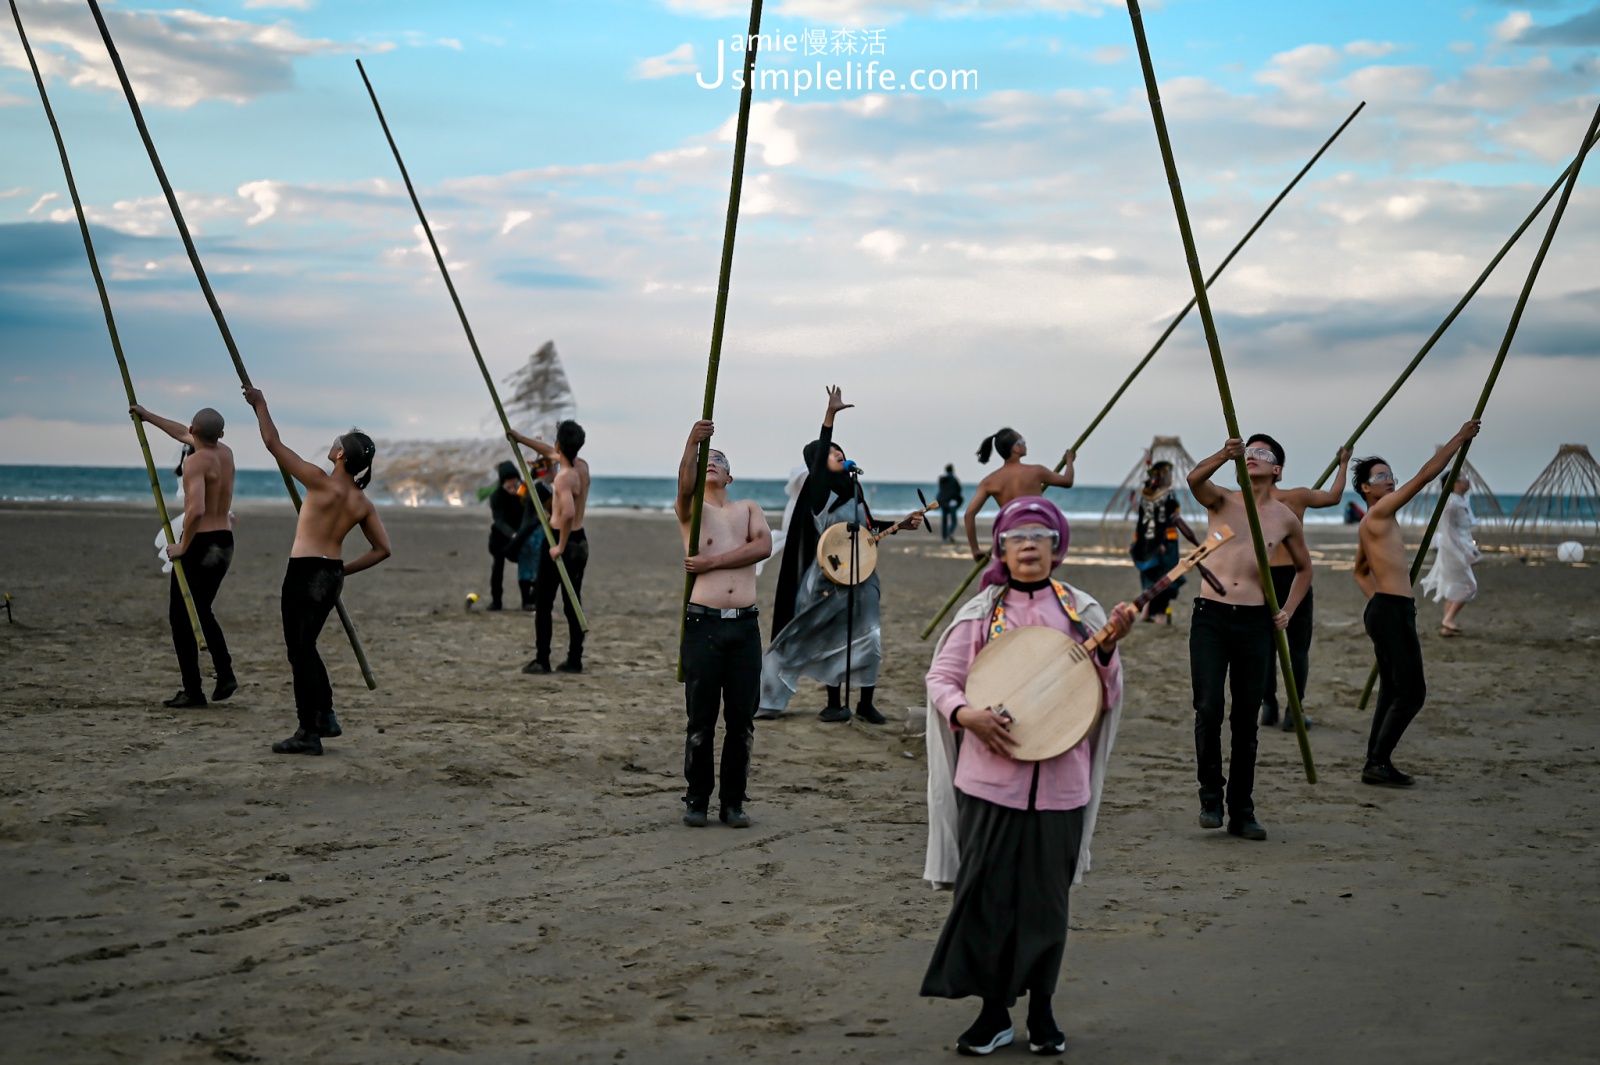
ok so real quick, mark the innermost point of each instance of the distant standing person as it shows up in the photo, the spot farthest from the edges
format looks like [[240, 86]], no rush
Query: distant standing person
[[1011, 481], [1451, 577], [334, 504], [569, 497], [509, 516], [721, 634], [206, 548], [950, 500], [1384, 575]]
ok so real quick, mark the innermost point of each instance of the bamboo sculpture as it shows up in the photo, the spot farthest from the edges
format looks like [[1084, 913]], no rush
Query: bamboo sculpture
[[211, 297], [1562, 501], [111, 327], [472, 342], [1204, 306]]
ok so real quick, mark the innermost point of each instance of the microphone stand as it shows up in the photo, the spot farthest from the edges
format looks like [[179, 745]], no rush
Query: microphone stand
[[850, 589]]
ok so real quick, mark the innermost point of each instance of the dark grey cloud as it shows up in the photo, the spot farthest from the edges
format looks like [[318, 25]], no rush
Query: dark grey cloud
[[1578, 31], [31, 251]]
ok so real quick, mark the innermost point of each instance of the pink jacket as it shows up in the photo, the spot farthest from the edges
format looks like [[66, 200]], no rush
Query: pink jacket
[[1062, 781]]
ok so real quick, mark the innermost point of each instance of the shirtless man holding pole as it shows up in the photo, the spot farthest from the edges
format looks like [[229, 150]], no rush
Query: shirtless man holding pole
[[1384, 574], [334, 504], [721, 633], [206, 547], [569, 499]]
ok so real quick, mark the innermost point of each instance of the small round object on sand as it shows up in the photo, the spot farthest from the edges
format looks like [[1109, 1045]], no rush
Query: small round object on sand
[[1570, 551]]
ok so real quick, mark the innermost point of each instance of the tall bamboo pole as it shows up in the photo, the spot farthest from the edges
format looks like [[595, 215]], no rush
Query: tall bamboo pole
[[472, 342], [111, 327], [211, 297], [1204, 305], [1499, 359], [1451, 317], [1160, 341], [724, 274]]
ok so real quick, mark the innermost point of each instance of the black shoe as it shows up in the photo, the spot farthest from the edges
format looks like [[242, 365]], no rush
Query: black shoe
[[870, 715], [302, 742], [1046, 1040], [1288, 721], [1210, 814], [183, 700], [767, 713], [330, 726], [734, 817], [494, 606], [226, 686], [571, 665], [837, 713], [1385, 775], [1245, 826], [1269, 713], [980, 1039], [536, 666], [695, 817]]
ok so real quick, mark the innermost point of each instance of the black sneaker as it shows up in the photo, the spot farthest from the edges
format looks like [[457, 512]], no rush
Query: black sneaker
[[1245, 826], [1210, 814], [1269, 712], [570, 666], [734, 817], [184, 700], [536, 666], [835, 713], [1046, 1041], [302, 742], [870, 715], [1288, 721], [330, 726], [226, 686], [979, 1041], [1384, 774], [695, 817]]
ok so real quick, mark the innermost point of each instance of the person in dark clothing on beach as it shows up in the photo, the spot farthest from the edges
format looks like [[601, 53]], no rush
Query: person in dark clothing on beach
[[569, 497], [512, 521], [950, 500]]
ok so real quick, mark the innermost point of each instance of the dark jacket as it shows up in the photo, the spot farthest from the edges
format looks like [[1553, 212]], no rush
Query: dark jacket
[[510, 517], [949, 490]]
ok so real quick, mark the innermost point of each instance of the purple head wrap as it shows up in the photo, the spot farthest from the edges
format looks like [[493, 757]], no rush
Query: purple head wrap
[[1025, 510]]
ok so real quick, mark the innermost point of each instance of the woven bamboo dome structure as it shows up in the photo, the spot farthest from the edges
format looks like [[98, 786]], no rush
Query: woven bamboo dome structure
[[1485, 505], [1562, 504], [1124, 504]]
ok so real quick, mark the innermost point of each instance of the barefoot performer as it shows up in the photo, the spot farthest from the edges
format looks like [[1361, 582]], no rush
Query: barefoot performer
[[206, 290], [180, 579], [334, 504], [569, 546], [1220, 370], [1298, 500], [721, 647], [1013, 836], [571, 600], [1161, 340], [815, 631], [206, 546], [1012, 480]]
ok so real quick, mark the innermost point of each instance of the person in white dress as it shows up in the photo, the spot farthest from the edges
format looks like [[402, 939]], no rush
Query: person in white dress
[[1451, 577]]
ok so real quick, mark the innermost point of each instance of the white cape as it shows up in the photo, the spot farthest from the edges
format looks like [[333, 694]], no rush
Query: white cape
[[1451, 576], [944, 857], [797, 477]]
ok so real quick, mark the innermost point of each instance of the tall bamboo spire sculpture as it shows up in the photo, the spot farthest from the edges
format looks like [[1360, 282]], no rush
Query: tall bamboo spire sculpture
[[1499, 360], [719, 316], [1455, 312], [472, 342], [1161, 340], [111, 328], [1221, 371], [211, 297]]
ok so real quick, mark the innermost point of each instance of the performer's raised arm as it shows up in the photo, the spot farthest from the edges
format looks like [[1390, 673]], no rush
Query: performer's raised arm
[[305, 472], [1205, 493], [1390, 505]]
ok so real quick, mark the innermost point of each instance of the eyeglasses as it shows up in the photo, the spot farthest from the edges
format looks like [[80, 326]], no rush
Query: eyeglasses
[[1265, 454], [1383, 477], [1030, 536]]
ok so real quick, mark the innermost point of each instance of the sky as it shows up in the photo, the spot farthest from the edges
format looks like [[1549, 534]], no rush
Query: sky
[[986, 241]]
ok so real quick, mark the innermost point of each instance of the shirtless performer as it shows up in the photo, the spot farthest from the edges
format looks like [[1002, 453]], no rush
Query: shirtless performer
[[1384, 574], [569, 499], [1230, 638], [1298, 500], [721, 633], [1016, 478], [206, 547], [334, 504]]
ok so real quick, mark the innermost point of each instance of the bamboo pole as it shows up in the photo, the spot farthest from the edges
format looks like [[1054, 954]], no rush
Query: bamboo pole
[[472, 342], [111, 328], [1204, 306], [1172, 326], [1451, 317], [211, 297], [719, 317], [1499, 360]]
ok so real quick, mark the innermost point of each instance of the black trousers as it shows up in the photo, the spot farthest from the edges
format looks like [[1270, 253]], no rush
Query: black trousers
[[1228, 648], [1298, 634], [205, 563], [497, 571], [948, 517], [1391, 621], [721, 670], [311, 589], [576, 556]]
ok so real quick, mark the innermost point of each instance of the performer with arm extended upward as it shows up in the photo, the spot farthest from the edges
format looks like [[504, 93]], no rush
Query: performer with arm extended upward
[[569, 500], [1015, 478]]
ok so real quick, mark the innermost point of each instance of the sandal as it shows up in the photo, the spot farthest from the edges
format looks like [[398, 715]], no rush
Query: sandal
[[1449, 630]]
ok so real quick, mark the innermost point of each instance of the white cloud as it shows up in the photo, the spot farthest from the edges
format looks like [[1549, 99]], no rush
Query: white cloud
[[1371, 49], [884, 243], [779, 146], [42, 200], [513, 220], [1107, 54], [1512, 26], [296, 5], [678, 61], [266, 195], [861, 12]]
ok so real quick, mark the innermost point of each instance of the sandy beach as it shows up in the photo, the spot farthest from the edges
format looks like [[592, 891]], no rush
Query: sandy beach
[[489, 866]]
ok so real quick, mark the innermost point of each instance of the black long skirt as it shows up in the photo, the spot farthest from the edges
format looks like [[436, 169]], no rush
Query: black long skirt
[[1007, 929]]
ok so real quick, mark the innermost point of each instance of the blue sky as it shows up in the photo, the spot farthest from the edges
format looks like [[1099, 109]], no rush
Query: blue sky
[[957, 259]]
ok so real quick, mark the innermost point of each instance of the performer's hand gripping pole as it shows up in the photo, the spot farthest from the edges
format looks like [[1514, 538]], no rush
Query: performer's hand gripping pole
[[724, 275], [1499, 360], [211, 297], [1221, 371], [111, 327], [472, 342], [1071, 452]]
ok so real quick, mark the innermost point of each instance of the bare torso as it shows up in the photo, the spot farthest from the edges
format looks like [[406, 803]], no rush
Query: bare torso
[[209, 473], [1234, 563], [330, 510], [1381, 563], [574, 481], [723, 528], [1014, 480], [1278, 555]]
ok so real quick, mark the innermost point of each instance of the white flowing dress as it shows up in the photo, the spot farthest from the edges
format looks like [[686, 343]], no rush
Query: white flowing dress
[[1451, 576]]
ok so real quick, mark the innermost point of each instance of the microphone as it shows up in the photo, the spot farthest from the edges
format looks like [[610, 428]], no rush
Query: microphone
[[853, 467]]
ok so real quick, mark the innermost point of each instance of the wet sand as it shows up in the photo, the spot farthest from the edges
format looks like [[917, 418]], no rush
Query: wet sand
[[489, 866]]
